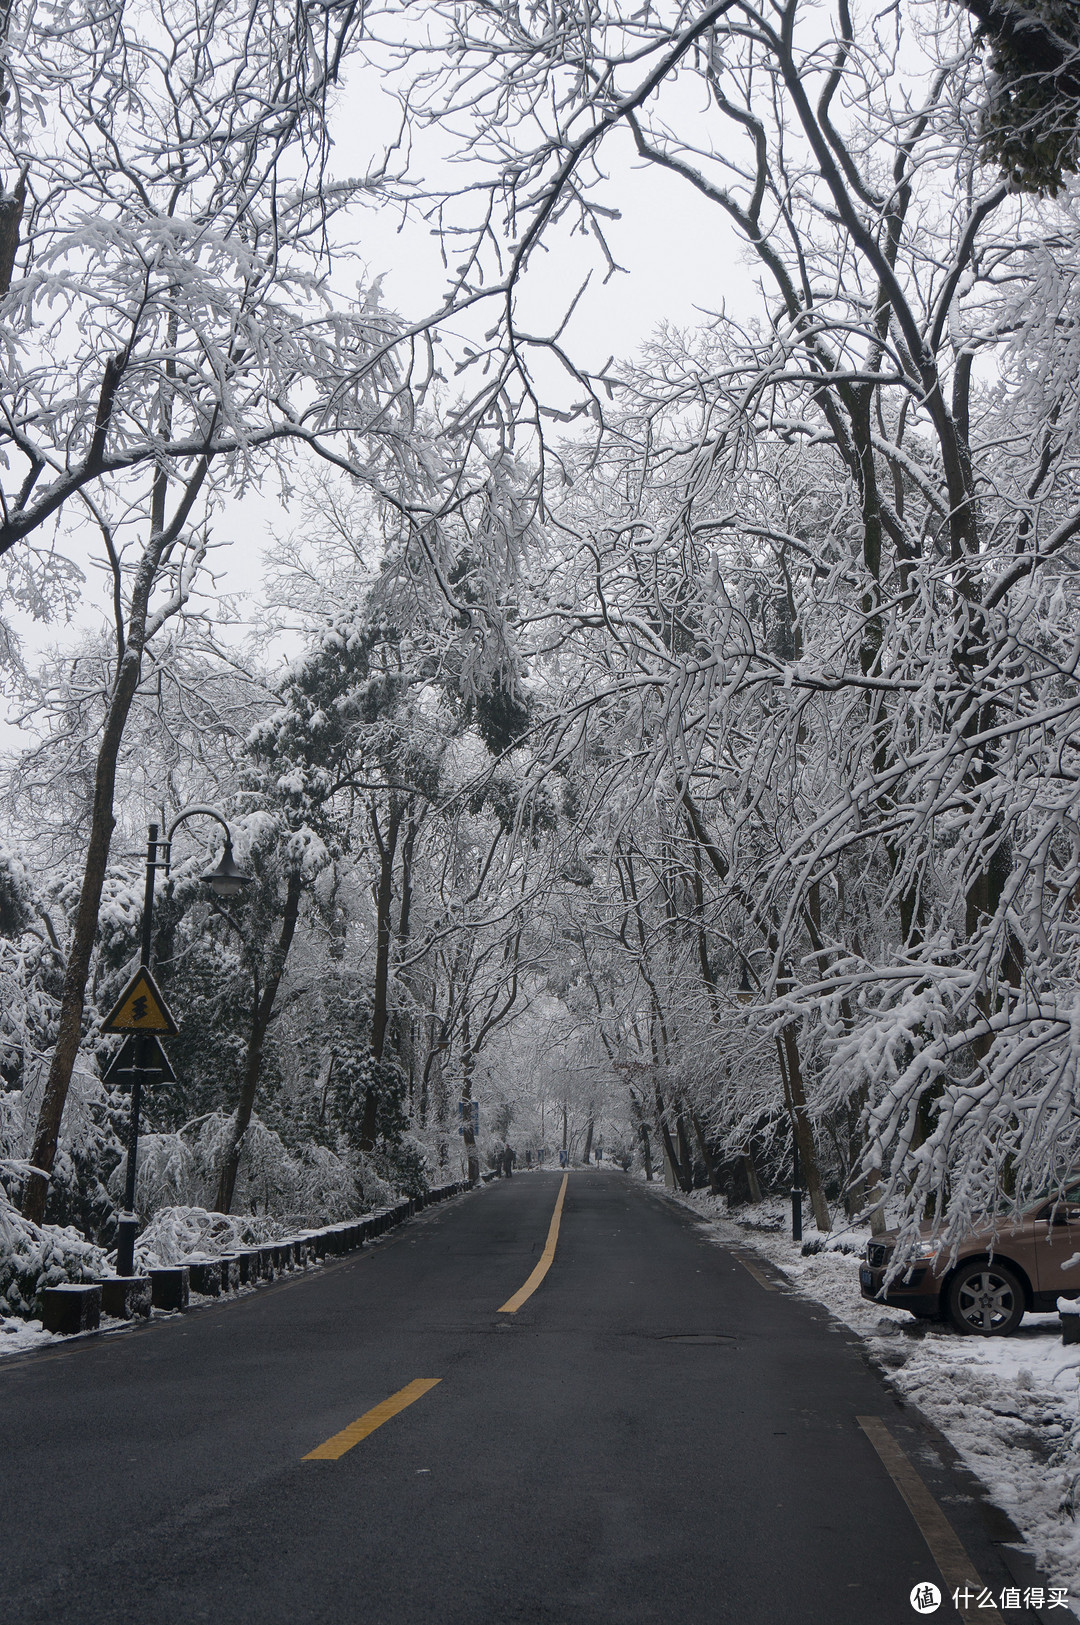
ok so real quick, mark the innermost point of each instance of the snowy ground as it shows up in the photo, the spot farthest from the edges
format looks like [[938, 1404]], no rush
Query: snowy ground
[[1005, 1403], [20, 1336]]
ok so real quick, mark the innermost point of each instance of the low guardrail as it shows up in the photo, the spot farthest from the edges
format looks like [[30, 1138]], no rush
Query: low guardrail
[[69, 1310]]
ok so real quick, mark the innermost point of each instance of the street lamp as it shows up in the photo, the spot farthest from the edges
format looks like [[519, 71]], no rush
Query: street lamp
[[226, 880]]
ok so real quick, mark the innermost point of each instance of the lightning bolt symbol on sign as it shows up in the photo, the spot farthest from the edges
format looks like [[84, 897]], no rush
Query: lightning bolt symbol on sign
[[140, 1009]]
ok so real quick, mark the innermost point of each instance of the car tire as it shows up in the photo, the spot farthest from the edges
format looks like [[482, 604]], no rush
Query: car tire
[[986, 1299]]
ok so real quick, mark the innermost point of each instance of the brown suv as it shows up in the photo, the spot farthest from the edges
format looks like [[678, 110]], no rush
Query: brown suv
[[996, 1274]]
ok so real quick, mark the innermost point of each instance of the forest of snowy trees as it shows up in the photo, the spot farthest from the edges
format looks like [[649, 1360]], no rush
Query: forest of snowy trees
[[682, 755]]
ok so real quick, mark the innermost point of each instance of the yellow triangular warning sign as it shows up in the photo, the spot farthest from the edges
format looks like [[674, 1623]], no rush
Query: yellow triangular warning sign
[[140, 1009]]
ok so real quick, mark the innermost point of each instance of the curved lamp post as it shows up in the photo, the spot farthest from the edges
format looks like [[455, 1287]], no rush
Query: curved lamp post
[[226, 880]]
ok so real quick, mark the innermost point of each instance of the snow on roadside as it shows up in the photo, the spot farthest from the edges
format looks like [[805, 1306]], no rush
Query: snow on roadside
[[20, 1336], [1004, 1403]]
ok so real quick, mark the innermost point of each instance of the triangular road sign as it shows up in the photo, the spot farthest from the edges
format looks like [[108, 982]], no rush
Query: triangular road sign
[[140, 1009], [155, 1061]]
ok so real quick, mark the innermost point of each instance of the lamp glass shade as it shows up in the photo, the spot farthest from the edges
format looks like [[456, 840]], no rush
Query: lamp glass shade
[[226, 880]]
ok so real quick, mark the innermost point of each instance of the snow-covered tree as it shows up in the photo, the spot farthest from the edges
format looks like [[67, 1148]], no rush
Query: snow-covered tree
[[169, 326], [817, 572]]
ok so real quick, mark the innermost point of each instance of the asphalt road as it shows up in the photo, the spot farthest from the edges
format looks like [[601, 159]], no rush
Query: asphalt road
[[654, 1438]]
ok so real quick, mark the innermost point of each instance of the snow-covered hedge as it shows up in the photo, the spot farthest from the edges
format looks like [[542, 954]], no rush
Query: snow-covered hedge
[[178, 1172], [179, 1233], [33, 1257]]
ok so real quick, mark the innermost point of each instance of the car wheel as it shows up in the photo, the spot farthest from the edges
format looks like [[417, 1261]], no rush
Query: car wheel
[[986, 1299]]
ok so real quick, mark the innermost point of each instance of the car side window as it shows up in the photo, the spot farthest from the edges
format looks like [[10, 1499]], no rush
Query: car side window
[[1064, 1209]]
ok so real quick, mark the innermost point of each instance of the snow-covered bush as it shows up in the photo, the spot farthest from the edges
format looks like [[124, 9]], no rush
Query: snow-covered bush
[[12, 1141], [16, 896], [401, 1164], [30, 975], [178, 1233], [170, 1172], [309, 1185], [277, 1187], [33, 1257], [827, 1244], [329, 1188], [90, 1150]]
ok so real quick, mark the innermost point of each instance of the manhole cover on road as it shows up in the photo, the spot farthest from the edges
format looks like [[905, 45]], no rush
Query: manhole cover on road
[[697, 1337]]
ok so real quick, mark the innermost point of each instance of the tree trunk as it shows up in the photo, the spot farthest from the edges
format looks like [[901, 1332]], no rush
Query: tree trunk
[[752, 1180], [686, 1156], [672, 1155], [432, 1073], [706, 1155], [468, 1061], [410, 1039], [102, 823], [380, 999], [384, 893], [260, 1021], [791, 1072], [11, 213], [643, 1131], [472, 1158], [646, 1146], [369, 1122], [69, 1035], [441, 1099], [587, 1156]]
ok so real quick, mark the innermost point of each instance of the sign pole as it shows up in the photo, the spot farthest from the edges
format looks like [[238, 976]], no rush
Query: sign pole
[[128, 1224], [142, 1013]]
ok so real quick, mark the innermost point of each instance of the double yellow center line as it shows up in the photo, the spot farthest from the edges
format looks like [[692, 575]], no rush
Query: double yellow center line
[[333, 1449]]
